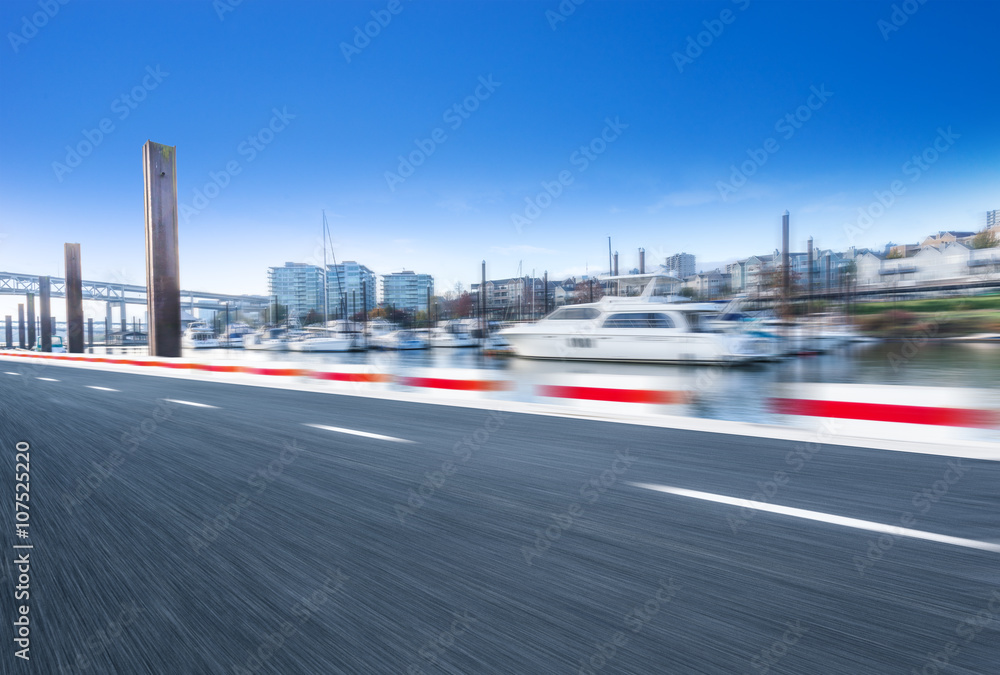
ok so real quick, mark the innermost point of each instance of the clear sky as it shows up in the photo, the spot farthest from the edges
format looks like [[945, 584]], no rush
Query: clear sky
[[533, 86]]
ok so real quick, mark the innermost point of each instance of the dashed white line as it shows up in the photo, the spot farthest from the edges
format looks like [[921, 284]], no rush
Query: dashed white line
[[47, 379], [7, 372], [197, 405], [90, 386], [355, 432], [824, 517]]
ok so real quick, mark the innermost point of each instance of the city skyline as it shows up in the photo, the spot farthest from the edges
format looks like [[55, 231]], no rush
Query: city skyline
[[603, 122]]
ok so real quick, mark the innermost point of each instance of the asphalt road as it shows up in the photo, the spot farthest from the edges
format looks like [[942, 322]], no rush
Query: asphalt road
[[235, 538]]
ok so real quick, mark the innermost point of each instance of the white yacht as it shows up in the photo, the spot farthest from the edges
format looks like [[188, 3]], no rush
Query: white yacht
[[451, 334], [323, 339], [233, 337], [653, 327], [402, 340], [199, 336]]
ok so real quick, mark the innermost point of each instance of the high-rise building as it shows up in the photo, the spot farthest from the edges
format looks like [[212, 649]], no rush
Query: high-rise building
[[407, 290], [993, 219], [346, 279], [297, 286], [681, 264]]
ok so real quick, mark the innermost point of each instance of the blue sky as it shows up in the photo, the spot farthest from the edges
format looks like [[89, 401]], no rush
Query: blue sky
[[211, 80]]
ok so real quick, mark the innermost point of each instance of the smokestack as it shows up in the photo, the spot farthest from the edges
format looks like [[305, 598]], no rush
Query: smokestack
[[642, 261], [785, 278], [615, 266]]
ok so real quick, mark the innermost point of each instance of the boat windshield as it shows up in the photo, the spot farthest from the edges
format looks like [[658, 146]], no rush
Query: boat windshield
[[574, 314], [698, 322], [639, 320]]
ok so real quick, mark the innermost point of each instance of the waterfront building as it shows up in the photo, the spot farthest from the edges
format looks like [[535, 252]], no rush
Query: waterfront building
[[346, 279], [298, 287], [407, 290]]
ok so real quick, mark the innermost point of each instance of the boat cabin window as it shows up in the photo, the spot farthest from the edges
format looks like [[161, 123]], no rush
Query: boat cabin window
[[639, 320], [574, 314]]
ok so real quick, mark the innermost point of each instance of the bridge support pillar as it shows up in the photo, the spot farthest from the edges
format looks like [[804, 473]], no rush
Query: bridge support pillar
[[31, 319], [74, 299], [20, 326], [45, 311]]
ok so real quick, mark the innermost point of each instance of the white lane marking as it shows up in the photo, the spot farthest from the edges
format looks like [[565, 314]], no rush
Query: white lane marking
[[7, 372], [355, 432], [824, 517], [90, 386], [47, 379], [196, 405]]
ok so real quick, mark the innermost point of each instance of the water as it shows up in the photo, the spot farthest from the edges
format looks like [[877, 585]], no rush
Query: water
[[726, 393]]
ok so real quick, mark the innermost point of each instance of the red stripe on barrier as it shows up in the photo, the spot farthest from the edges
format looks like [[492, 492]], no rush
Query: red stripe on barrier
[[884, 412], [351, 377], [613, 395], [287, 372], [457, 385]]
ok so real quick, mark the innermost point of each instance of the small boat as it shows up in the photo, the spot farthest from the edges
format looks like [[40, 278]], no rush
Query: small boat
[[402, 340], [199, 336], [452, 334], [233, 337], [128, 339], [57, 345], [271, 338], [323, 339]]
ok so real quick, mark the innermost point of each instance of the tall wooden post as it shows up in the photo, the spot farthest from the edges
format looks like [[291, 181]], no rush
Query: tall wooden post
[[785, 270], [74, 300], [10, 333], [90, 333], [20, 326], [31, 319], [163, 289], [45, 312], [545, 289]]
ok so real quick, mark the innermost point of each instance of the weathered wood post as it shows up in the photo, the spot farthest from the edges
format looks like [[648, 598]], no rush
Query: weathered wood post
[[45, 312], [90, 334], [74, 299], [20, 326], [163, 289], [31, 319], [10, 333]]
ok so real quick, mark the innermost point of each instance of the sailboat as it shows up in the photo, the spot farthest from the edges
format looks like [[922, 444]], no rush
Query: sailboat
[[325, 338]]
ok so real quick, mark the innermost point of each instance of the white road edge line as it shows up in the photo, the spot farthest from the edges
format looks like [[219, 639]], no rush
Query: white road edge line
[[354, 432], [90, 386], [196, 405], [47, 379], [824, 517]]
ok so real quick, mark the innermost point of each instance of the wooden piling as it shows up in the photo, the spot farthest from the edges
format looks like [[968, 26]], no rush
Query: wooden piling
[[162, 252], [74, 300]]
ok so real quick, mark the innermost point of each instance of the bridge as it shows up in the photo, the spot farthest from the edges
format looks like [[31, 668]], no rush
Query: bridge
[[112, 292]]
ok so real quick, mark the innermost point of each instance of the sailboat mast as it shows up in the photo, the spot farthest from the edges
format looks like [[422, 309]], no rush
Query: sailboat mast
[[326, 277]]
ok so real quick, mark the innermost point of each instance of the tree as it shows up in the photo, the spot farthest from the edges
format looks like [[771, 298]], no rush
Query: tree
[[985, 239], [688, 292], [894, 255]]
